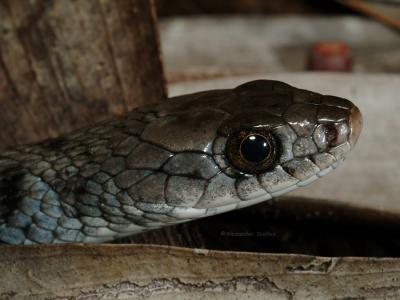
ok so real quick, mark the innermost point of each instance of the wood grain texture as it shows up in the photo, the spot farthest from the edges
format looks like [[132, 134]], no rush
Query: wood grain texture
[[159, 272], [64, 64]]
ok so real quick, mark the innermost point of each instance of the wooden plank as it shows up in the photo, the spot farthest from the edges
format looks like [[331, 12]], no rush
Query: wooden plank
[[64, 64], [157, 272]]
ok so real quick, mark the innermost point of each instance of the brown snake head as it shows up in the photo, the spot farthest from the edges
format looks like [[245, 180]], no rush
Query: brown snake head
[[189, 157]]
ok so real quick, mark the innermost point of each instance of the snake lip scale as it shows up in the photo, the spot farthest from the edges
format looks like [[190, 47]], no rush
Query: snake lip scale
[[188, 157]]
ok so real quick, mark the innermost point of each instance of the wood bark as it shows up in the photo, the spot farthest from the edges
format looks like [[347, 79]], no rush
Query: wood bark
[[64, 64], [157, 272]]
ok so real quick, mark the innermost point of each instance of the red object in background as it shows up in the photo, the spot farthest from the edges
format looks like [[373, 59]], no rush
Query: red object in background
[[330, 56]]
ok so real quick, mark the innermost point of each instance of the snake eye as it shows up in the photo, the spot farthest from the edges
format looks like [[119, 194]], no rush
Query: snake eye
[[251, 151]]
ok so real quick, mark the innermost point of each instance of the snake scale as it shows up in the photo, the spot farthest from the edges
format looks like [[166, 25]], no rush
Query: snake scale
[[188, 157]]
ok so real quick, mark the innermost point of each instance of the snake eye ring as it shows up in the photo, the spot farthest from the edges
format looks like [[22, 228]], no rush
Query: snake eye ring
[[252, 151]]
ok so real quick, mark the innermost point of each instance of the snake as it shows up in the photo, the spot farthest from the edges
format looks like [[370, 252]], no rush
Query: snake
[[184, 158]]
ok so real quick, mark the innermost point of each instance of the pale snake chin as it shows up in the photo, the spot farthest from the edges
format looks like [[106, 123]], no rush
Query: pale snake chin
[[189, 157]]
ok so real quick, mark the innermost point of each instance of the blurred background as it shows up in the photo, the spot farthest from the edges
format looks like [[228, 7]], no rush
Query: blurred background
[[203, 39]]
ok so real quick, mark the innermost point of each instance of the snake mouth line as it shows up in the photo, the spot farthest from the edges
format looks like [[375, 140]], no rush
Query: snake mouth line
[[263, 195]]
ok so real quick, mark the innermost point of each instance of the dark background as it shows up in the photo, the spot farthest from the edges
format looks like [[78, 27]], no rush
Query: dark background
[[183, 7]]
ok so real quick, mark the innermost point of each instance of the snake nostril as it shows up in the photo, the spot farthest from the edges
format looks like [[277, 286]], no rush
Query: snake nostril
[[337, 133], [330, 134]]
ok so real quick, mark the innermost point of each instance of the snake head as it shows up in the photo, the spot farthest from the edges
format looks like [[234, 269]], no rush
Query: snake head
[[265, 138], [277, 138]]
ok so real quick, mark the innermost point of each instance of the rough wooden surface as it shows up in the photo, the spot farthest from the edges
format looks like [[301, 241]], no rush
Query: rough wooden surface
[[64, 64], [156, 272]]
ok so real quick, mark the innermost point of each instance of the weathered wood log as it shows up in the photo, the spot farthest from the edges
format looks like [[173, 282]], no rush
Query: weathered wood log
[[64, 64], [157, 272]]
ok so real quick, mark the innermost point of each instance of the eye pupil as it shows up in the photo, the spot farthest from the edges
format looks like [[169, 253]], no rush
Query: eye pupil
[[252, 151], [255, 148]]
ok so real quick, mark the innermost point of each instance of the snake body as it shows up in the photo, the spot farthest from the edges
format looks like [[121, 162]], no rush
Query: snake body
[[188, 157]]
